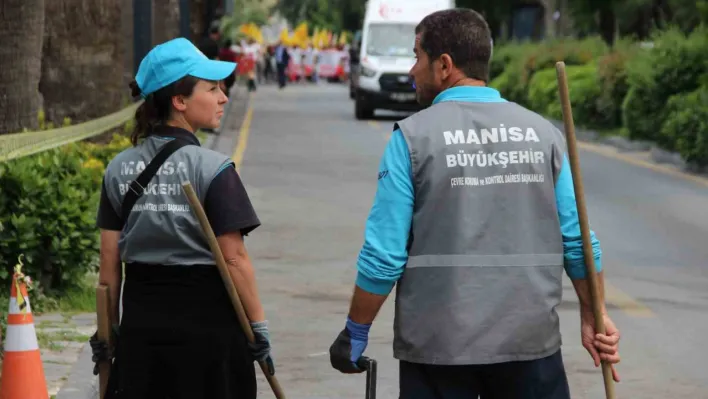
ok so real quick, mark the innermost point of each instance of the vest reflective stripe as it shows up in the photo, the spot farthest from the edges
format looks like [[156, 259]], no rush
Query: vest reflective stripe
[[485, 266], [484, 260]]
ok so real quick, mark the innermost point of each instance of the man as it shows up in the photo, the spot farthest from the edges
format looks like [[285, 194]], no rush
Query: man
[[475, 220], [282, 58], [209, 45]]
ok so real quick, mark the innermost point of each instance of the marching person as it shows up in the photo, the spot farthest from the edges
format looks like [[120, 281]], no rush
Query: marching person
[[474, 220], [179, 336]]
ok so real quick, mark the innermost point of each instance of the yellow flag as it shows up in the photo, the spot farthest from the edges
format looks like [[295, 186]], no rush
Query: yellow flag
[[284, 37], [300, 32]]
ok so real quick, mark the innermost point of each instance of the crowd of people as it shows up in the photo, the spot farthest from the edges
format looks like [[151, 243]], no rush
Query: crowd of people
[[278, 62]]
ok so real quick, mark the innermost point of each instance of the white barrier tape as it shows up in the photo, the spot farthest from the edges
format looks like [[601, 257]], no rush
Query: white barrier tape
[[17, 145]]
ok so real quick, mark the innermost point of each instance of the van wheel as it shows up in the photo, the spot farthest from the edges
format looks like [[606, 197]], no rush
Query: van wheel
[[361, 110]]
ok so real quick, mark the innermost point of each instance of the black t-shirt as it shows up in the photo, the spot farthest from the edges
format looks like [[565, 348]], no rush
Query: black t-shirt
[[226, 205]]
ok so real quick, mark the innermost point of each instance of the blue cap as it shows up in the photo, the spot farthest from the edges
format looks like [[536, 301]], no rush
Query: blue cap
[[175, 59]]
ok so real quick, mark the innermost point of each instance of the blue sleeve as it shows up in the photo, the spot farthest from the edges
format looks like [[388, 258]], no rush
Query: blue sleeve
[[384, 253], [570, 227]]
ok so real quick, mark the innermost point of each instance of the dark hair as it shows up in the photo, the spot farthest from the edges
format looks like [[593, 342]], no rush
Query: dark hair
[[157, 107], [463, 34]]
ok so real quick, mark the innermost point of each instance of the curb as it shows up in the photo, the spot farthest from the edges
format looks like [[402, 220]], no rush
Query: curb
[[657, 156], [81, 383]]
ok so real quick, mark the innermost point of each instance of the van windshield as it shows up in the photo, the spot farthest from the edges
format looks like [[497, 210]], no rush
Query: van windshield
[[393, 40]]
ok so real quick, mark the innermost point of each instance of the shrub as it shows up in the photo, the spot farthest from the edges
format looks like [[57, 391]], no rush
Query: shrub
[[572, 52], [511, 85], [674, 65], [583, 90], [514, 82], [686, 125], [612, 76], [507, 54], [48, 204], [543, 90]]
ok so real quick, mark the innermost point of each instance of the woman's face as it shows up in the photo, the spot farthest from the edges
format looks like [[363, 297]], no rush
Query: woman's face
[[205, 107]]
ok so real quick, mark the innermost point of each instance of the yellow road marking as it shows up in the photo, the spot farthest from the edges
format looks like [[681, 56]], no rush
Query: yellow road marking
[[611, 153], [243, 138], [626, 303]]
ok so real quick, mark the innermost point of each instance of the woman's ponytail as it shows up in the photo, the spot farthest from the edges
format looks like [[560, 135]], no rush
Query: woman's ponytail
[[146, 116], [157, 107]]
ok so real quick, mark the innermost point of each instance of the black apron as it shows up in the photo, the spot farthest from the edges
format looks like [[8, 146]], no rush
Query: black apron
[[180, 337]]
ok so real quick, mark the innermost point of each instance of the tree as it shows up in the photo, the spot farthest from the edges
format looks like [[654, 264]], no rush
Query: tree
[[335, 15], [166, 21], [21, 23], [82, 64], [247, 11], [602, 11]]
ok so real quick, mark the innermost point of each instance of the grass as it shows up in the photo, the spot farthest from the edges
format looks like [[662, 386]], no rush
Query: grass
[[52, 340], [81, 299]]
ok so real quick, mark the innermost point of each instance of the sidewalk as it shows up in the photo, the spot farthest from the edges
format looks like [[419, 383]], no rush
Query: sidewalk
[[61, 340]]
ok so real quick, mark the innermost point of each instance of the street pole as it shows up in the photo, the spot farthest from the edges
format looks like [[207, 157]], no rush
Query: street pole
[[142, 31], [184, 20]]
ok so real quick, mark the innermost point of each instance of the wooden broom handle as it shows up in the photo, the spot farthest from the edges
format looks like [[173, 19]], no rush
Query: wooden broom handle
[[583, 217]]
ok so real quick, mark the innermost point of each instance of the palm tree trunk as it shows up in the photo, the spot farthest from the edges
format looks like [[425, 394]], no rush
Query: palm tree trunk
[[82, 68], [196, 16], [166, 21], [21, 34]]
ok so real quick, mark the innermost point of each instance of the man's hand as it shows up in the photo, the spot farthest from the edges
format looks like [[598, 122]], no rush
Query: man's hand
[[601, 347], [100, 350], [349, 346]]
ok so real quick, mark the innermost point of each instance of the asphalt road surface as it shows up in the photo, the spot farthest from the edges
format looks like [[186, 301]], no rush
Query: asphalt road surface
[[311, 171]]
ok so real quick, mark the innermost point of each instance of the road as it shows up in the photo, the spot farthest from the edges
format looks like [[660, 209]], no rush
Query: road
[[310, 169]]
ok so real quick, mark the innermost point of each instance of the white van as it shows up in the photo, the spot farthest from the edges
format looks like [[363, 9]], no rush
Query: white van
[[386, 55]]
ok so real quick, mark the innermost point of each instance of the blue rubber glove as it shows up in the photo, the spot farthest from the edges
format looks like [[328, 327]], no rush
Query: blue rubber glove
[[349, 346]]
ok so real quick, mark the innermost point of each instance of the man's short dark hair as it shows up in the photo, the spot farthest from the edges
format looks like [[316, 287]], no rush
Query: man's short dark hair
[[461, 33]]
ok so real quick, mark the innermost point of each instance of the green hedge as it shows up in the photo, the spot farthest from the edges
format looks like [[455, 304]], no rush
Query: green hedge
[[543, 92], [48, 206], [638, 90], [687, 125], [674, 65]]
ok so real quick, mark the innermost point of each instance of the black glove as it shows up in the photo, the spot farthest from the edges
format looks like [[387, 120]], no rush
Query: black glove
[[100, 350], [261, 349], [347, 349]]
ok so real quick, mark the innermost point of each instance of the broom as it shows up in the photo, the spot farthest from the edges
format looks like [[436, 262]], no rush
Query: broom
[[583, 217]]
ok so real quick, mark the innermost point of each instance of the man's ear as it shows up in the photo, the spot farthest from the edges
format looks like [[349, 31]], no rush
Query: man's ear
[[179, 103], [446, 65]]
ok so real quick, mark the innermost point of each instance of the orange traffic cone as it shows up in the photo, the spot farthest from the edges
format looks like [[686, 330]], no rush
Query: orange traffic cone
[[22, 371]]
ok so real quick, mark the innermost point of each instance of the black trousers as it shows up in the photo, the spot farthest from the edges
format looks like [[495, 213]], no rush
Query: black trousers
[[180, 338], [281, 75], [535, 379]]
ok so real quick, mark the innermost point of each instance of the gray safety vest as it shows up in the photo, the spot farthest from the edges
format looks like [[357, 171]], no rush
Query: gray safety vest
[[485, 262], [162, 229]]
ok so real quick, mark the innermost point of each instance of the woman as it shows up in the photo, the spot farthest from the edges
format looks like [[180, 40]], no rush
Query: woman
[[179, 336]]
